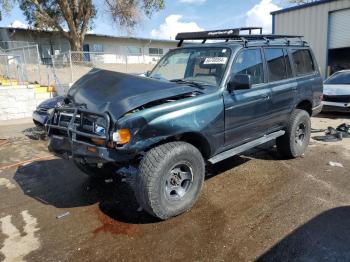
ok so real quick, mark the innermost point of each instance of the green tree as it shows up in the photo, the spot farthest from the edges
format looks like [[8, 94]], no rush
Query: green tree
[[78, 15], [5, 7]]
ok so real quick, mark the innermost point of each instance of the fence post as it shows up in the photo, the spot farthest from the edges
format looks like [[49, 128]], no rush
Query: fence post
[[71, 66], [25, 65], [39, 62]]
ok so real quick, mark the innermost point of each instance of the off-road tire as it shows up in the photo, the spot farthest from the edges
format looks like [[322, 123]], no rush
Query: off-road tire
[[93, 171], [154, 170], [287, 145]]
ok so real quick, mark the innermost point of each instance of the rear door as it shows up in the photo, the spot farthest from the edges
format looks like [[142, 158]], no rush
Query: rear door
[[310, 85], [283, 85], [247, 112]]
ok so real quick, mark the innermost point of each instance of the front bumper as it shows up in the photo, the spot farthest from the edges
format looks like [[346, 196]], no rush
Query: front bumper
[[40, 117], [72, 140], [66, 148]]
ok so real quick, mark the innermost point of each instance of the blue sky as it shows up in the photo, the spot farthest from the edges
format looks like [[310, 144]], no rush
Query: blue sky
[[183, 15]]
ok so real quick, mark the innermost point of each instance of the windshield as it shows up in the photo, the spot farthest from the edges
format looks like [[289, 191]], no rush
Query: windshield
[[341, 78], [203, 65]]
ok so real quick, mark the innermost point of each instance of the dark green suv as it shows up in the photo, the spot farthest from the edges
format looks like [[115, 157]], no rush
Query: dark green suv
[[202, 103]]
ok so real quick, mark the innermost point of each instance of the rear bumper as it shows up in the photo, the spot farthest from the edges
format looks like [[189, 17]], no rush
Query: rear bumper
[[317, 109]]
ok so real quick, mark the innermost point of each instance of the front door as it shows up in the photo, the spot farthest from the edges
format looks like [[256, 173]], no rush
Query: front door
[[247, 112]]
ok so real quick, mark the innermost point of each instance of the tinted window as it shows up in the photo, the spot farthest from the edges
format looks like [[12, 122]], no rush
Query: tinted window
[[303, 61], [286, 58], [249, 62], [342, 78], [276, 64]]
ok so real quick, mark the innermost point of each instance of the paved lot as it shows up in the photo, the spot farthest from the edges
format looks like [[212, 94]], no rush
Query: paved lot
[[253, 206]]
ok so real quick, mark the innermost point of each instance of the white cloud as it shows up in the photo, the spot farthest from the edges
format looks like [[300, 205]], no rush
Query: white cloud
[[172, 26], [193, 1], [18, 24], [260, 15]]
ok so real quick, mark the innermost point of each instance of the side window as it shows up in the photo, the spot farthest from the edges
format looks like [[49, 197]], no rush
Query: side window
[[276, 64], [249, 62], [303, 62], [286, 58]]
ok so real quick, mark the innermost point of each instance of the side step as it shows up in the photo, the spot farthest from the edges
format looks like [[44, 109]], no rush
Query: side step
[[245, 147]]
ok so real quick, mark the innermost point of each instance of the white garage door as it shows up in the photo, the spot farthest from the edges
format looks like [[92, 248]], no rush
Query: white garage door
[[339, 29]]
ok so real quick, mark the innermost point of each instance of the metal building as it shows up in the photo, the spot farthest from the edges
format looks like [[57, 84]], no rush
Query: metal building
[[325, 25]]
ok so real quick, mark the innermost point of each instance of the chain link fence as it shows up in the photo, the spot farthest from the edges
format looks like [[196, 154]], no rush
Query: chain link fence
[[69, 67], [22, 64], [21, 61], [11, 68]]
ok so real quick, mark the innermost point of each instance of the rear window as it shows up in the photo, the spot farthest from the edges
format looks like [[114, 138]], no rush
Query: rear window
[[276, 63], [341, 78], [303, 62]]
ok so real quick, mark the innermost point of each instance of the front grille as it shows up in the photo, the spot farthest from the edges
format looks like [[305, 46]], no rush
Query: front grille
[[85, 125], [339, 99]]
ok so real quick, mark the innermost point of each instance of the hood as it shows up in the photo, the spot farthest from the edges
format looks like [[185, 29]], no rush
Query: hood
[[336, 90], [118, 93], [51, 102]]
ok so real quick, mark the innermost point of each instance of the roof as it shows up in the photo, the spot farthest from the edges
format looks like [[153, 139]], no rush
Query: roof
[[319, 2], [93, 34]]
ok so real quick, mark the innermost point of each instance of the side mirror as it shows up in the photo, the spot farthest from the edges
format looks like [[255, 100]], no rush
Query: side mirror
[[147, 73], [239, 82]]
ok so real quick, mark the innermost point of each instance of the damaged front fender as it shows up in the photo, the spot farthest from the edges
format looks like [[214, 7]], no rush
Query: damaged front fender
[[202, 115]]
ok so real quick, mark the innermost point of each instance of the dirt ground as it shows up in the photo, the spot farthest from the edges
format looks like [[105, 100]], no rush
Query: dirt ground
[[255, 206]]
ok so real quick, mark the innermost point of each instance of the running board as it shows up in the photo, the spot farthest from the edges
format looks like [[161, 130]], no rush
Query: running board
[[245, 147]]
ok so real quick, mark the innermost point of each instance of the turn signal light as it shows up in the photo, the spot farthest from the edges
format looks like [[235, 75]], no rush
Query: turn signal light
[[122, 136]]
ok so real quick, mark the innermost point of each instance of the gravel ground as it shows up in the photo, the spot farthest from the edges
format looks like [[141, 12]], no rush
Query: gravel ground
[[254, 206]]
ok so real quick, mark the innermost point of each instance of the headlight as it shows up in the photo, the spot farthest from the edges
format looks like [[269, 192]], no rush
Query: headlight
[[50, 111], [122, 136]]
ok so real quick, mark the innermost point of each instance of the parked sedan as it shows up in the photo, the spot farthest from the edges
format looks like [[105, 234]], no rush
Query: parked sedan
[[42, 112], [336, 92]]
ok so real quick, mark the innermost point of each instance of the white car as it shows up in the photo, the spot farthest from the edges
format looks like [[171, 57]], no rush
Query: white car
[[336, 92]]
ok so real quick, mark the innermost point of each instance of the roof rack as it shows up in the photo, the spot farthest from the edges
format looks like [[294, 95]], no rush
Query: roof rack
[[231, 34]]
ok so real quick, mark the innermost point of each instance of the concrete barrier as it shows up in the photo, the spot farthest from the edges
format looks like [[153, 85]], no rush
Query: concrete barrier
[[19, 101]]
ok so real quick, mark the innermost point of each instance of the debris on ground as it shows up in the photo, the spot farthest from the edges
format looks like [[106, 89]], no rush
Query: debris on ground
[[314, 130], [63, 215], [35, 133], [109, 180], [333, 134], [336, 164]]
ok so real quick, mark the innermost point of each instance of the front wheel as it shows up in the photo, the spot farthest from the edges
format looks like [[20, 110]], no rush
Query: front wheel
[[297, 137], [170, 179]]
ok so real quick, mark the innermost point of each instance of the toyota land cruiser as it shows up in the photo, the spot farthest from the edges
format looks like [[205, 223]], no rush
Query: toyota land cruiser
[[202, 103]]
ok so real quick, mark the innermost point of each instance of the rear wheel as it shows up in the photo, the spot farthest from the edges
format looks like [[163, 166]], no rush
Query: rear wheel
[[297, 137], [170, 179]]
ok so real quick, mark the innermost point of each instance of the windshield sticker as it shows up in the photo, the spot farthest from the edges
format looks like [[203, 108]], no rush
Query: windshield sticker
[[215, 60]]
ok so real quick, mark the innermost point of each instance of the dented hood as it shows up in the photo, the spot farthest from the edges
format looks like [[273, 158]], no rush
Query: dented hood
[[118, 93]]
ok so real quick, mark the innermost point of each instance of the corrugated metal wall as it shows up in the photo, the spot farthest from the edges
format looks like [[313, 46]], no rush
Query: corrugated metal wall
[[339, 31], [312, 23]]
